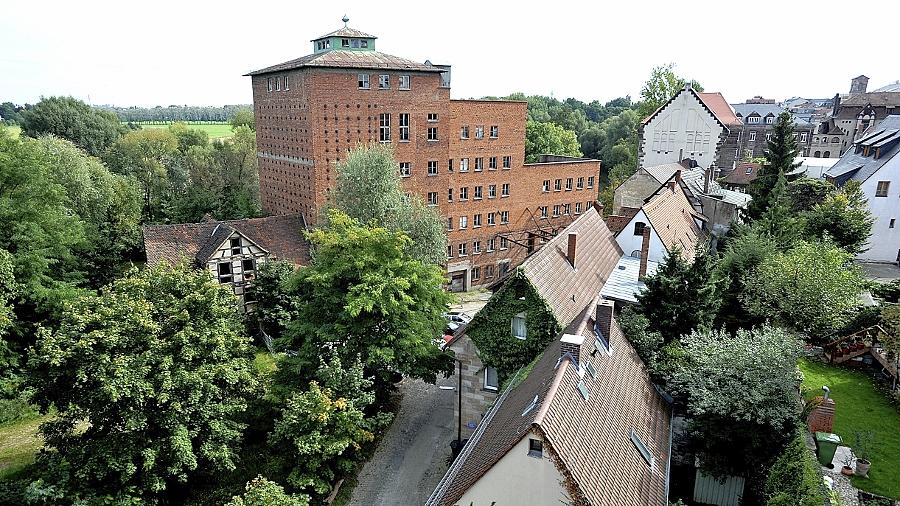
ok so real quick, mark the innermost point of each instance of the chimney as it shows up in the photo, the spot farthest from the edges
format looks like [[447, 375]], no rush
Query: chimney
[[573, 239], [858, 85], [821, 418], [645, 252], [604, 318], [671, 184], [836, 104], [598, 206], [678, 176], [707, 175], [570, 344]]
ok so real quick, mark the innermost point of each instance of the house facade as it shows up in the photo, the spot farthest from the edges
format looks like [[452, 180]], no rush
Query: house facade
[[232, 251], [463, 157], [874, 162], [860, 112], [691, 125], [758, 117]]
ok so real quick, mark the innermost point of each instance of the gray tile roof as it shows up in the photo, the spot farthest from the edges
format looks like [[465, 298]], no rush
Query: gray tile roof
[[855, 166], [693, 179], [876, 99], [346, 31], [337, 58], [763, 110], [623, 284]]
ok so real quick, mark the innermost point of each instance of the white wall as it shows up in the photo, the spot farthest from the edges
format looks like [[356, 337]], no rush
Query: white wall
[[884, 243], [630, 242], [683, 129], [518, 478]]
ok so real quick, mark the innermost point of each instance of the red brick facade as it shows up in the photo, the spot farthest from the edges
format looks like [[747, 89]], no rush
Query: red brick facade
[[304, 130]]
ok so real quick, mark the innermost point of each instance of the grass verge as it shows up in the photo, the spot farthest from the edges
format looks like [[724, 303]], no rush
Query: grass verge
[[19, 442]]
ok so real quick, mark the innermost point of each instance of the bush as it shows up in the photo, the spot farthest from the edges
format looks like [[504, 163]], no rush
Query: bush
[[794, 478], [17, 408]]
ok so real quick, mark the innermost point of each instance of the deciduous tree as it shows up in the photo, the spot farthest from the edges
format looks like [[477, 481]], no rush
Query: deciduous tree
[[662, 85], [844, 218], [262, 492], [91, 129], [549, 138]]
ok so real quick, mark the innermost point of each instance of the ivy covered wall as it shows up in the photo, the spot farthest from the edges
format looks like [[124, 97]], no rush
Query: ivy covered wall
[[491, 329]]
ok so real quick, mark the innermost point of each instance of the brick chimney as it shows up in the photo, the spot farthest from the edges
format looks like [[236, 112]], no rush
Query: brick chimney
[[678, 176], [571, 344], [573, 239], [645, 252], [707, 176], [821, 418], [604, 318], [598, 206]]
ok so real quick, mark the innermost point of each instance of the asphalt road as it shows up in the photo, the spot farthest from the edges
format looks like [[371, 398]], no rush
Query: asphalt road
[[412, 457]]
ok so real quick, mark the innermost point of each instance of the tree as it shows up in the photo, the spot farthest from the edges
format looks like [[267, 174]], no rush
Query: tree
[[664, 302], [262, 492], [741, 396], [804, 193], [275, 307], [549, 138], [10, 113], [662, 85], [743, 254], [157, 367], [147, 155], [243, 117], [364, 295], [812, 288], [91, 129], [188, 137], [780, 154], [844, 218], [369, 188]]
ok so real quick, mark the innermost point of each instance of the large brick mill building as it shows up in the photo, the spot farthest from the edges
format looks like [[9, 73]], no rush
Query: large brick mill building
[[466, 157]]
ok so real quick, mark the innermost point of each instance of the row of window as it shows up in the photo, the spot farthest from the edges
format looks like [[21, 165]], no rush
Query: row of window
[[432, 167], [756, 120], [384, 127], [462, 249], [834, 140], [479, 132], [558, 184], [477, 192], [477, 222], [278, 83], [801, 136], [384, 82], [564, 209]]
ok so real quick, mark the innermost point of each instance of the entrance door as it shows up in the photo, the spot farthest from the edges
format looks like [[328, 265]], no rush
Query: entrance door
[[458, 281]]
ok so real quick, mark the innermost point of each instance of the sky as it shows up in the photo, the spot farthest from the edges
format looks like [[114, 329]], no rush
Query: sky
[[195, 52]]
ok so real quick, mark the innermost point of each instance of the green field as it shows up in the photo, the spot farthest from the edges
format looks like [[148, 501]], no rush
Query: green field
[[860, 407], [215, 130], [19, 442]]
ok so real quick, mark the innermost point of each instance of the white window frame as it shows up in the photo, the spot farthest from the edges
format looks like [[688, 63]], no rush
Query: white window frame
[[504, 217], [504, 190], [384, 81], [495, 131], [404, 126], [432, 168], [751, 137], [384, 127], [463, 222], [362, 81], [514, 329], [403, 82], [479, 132], [432, 199], [405, 169], [432, 134], [495, 386], [464, 165]]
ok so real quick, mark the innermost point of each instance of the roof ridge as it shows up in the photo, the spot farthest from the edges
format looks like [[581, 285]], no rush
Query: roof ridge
[[561, 368]]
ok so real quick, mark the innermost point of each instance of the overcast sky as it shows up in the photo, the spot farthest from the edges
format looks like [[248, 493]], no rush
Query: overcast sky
[[195, 52]]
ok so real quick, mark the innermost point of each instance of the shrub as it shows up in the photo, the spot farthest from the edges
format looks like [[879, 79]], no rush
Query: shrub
[[794, 479]]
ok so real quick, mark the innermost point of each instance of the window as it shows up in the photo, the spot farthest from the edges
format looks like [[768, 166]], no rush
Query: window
[[404, 83], [432, 117], [476, 274], [492, 191], [491, 219], [490, 244], [803, 136], [449, 251], [450, 165], [463, 222], [504, 217], [287, 83], [504, 190], [345, 42], [477, 194], [519, 331], [556, 210], [269, 84], [479, 132], [504, 243], [405, 169], [495, 131], [476, 245], [568, 184], [579, 184], [432, 168], [384, 82], [545, 187], [567, 208], [557, 185], [476, 220], [363, 43], [479, 164], [235, 245], [432, 198], [404, 127], [835, 140], [248, 265], [641, 448], [464, 132], [590, 182], [753, 120], [492, 163], [363, 81], [449, 194], [450, 223], [507, 162], [891, 225], [432, 134], [277, 83], [355, 43], [768, 137], [464, 193], [464, 165], [543, 211], [225, 272], [504, 267], [639, 228], [535, 448], [491, 381], [583, 390], [752, 137], [749, 170], [461, 250], [578, 208], [770, 120], [488, 271], [384, 127], [882, 190]]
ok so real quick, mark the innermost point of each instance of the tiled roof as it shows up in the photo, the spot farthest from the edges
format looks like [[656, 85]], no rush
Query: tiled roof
[[856, 166], [672, 217], [623, 284], [337, 58], [346, 31], [890, 88], [617, 222], [590, 437], [876, 99], [693, 179], [281, 236], [740, 176], [719, 106], [764, 110], [564, 289]]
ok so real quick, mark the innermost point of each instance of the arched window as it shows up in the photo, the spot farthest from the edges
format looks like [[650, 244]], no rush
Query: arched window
[[818, 154], [828, 154], [639, 228]]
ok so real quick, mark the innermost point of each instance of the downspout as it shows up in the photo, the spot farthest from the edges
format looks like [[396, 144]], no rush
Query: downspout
[[669, 459]]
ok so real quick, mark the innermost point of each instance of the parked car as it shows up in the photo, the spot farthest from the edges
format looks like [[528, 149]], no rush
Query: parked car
[[457, 317]]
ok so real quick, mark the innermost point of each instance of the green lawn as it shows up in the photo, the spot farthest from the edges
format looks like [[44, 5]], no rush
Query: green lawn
[[860, 407], [215, 130], [19, 442]]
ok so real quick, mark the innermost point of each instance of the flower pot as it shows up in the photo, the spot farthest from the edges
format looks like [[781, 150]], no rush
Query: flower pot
[[862, 467], [847, 471]]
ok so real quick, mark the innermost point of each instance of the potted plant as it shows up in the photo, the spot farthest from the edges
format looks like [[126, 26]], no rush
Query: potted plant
[[863, 443], [847, 461]]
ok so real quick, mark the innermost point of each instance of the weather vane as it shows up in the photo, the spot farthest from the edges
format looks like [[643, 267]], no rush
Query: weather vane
[[345, 19]]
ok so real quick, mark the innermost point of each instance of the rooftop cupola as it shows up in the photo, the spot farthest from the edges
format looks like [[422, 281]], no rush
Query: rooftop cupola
[[344, 39]]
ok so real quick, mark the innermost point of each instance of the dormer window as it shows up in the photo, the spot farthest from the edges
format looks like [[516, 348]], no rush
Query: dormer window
[[639, 228], [345, 42], [354, 43], [519, 331], [364, 43], [770, 120], [753, 120]]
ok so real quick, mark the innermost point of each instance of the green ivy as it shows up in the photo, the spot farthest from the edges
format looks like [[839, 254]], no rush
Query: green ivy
[[491, 329]]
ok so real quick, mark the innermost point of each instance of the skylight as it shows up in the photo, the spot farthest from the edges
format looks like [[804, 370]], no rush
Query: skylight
[[534, 403], [582, 389], [641, 448]]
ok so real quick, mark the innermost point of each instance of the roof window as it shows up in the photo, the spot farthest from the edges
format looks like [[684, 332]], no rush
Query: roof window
[[641, 448], [583, 390]]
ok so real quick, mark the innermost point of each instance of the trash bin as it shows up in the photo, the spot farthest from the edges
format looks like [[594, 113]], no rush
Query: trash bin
[[826, 445]]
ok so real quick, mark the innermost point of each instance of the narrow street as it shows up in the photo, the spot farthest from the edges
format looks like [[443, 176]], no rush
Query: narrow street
[[412, 457]]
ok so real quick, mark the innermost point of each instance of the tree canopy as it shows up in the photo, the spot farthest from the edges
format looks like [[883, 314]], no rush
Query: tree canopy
[[91, 129], [662, 85], [842, 217], [549, 138], [780, 154]]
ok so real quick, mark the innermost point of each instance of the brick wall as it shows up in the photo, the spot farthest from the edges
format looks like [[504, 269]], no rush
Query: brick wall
[[475, 398]]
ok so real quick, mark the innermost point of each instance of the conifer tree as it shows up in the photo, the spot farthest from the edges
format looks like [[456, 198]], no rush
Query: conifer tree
[[780, 154]]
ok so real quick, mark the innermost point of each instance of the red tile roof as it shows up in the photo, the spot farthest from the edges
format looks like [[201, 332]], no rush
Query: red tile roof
[[617, 222], [719, 106], [672, 217], [337, 58], [281, 236], [739, 176]]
